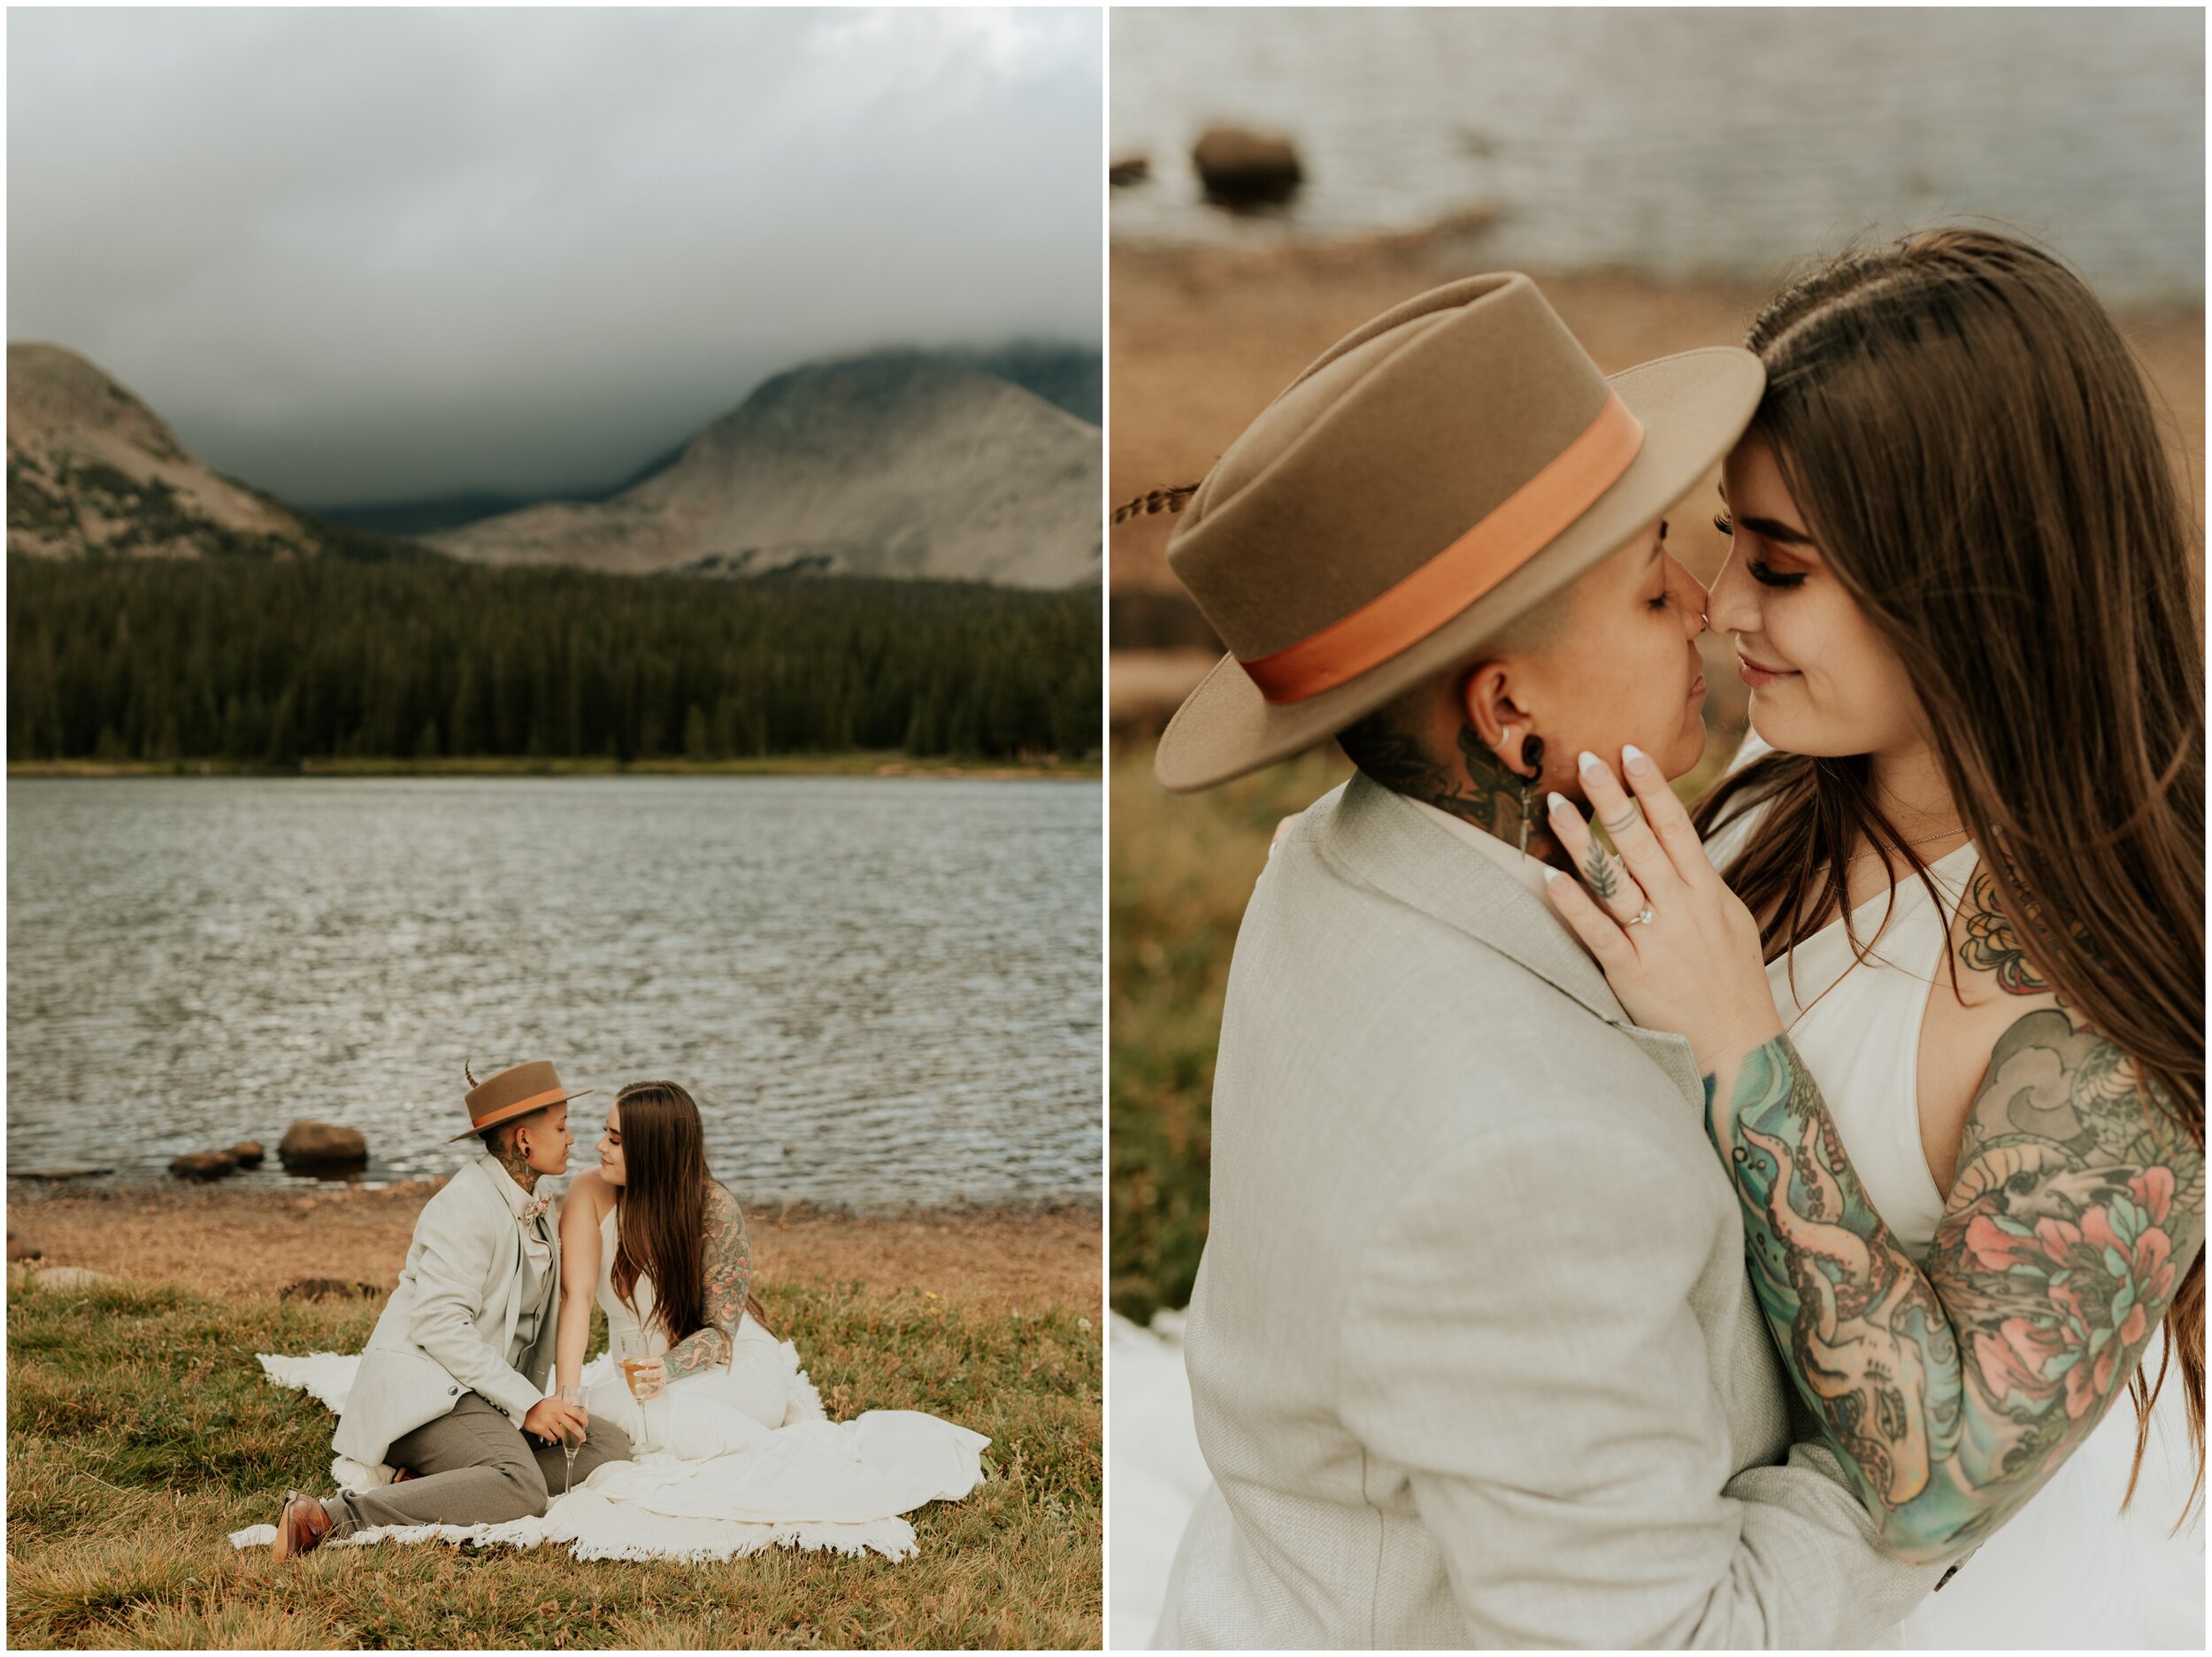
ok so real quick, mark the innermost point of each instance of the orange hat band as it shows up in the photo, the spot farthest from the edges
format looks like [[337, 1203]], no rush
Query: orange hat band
[[500, 1113], [1511, 533]]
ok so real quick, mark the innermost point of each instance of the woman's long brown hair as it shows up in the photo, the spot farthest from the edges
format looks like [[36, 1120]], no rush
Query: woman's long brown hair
[[661, 1208], [1977, 453]]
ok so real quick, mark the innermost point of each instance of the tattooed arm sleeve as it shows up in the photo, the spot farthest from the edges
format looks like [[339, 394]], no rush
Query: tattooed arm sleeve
[[1952, 1394], [729, 1275], [1520, 1356]]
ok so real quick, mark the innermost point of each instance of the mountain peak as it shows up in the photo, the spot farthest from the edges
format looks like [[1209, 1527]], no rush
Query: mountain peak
[[51, 387], [896, 463], [91, 469]]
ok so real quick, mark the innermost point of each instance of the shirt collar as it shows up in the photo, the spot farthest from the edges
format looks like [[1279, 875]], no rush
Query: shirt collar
[[1526, 869]]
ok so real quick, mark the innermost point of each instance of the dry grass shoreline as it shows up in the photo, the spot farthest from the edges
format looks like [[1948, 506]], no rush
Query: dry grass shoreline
[[229, 1241], [140, 1432]]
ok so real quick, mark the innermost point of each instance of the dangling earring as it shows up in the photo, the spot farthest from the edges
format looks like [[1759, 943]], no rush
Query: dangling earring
[[1532, 753], [1531, 757]]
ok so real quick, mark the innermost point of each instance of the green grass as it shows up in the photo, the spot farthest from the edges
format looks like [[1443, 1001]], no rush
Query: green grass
[[856, 763], [140, 1432], [1182, 871]]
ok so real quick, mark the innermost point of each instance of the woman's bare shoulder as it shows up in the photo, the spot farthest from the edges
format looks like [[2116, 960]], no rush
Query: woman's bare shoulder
[[590, 1193]]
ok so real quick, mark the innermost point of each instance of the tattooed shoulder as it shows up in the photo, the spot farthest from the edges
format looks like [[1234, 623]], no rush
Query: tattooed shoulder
[[2056, 1083], [1990, 943]]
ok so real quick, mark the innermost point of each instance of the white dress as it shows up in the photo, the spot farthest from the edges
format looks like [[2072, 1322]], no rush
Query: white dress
[[2070, 1571], [742, 1459], [708, 1414]]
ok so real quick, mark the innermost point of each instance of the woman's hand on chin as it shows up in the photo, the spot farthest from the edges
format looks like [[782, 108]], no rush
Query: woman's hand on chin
[[1678, 947]]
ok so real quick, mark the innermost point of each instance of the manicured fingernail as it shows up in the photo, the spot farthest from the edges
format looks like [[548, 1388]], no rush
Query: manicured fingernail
[[1552, 877], [1634, 759], [1591, 763], [1559, 803]]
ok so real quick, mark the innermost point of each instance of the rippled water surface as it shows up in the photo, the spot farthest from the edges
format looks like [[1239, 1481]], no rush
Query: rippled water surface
[[882, 991], [1680, 141]]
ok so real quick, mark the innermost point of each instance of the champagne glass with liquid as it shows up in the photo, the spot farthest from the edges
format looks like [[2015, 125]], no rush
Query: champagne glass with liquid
[[633, 1351], [572, 1440]]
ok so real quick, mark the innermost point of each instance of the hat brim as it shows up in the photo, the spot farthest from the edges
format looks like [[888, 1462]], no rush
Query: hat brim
[[1693, 407], [494, 1120]]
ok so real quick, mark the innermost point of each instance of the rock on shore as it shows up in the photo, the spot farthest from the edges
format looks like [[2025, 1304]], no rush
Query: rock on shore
[[318, 1148]]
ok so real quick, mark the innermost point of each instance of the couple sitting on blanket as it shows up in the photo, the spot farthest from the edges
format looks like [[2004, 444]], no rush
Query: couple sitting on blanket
[[450, 1392]]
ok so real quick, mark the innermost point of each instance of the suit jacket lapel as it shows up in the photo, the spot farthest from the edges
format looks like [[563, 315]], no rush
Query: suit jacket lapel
[[511, 1254], [1381, 841]]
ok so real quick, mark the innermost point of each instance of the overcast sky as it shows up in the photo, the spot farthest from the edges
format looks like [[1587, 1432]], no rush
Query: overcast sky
[[355, 256]]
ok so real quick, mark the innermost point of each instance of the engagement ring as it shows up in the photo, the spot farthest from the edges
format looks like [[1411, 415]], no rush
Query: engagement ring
[[1642, 918]]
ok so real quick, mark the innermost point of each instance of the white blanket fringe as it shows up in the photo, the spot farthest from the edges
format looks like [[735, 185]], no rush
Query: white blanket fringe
[[594, 1527]]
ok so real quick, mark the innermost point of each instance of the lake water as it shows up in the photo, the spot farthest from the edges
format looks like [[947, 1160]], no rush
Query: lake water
[[1680, 142], [882, 992]]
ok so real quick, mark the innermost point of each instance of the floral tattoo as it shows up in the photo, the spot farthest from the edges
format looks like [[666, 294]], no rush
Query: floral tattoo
[[1953, 1392], [1991, 945], [727, 1283]]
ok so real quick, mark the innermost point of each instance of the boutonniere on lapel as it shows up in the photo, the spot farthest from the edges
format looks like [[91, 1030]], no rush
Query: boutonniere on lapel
[[533, 1210]]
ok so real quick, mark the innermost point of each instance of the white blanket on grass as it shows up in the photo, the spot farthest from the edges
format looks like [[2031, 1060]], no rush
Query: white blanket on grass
[[812, 1483]]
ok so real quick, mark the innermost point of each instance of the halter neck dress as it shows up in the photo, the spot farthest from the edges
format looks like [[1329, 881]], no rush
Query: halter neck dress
[[2070, 1571], [748, 1445], [709, 1413]]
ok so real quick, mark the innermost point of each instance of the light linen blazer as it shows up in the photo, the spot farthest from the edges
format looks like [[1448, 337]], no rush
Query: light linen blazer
[[449, 1325], [1473, 1359]]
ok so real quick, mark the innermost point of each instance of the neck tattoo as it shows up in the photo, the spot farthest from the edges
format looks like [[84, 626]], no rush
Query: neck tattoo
[[1478, 790], [517, 1162], [1498, 801]]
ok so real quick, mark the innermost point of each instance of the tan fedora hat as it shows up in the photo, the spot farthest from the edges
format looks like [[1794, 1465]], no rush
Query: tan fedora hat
[[1432, 477], [514, 1092]]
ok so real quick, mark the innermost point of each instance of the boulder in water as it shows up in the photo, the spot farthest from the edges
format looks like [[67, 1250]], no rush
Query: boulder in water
[[322, 1147], [203, 1165], [249, 1152], [1242, 168]]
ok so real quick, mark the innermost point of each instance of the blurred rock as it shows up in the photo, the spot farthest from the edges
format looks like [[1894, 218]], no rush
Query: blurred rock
[[315, 1148], [22, 1248], [61, 1170], [1242, 168], [1129, 170], [249, 1152], [203, 1165]]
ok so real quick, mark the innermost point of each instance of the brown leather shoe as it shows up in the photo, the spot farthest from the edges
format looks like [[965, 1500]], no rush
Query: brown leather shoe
[[301, 1527]]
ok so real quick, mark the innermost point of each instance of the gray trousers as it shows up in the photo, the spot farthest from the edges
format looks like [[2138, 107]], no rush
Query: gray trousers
[[472, 1466]]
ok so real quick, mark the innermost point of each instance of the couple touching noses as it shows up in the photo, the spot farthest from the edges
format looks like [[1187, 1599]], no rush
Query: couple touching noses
[[1718, 1238], [450, 1395]]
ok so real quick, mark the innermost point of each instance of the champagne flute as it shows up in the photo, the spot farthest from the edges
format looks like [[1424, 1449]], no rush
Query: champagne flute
[[572, 1440], [635, 1350]]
